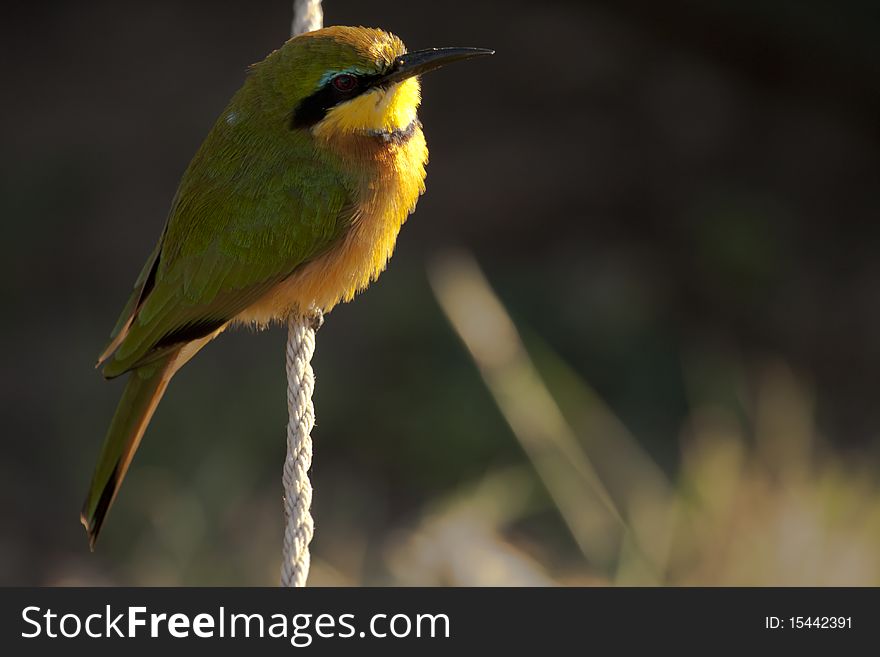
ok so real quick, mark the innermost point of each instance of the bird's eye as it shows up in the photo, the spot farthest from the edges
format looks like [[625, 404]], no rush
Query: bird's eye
[[345, 82]]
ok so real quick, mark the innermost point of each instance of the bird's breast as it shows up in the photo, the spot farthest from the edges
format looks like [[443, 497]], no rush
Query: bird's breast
[[393, 180]]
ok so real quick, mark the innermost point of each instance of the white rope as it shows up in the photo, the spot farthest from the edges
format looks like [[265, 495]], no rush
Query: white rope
[[307, 16], [299, 525]]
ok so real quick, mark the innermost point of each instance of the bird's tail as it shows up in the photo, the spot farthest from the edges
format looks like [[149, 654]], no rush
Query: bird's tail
[[144, 389]]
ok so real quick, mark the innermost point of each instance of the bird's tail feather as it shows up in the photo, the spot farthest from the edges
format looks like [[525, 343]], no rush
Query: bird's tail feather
[[144, 389]]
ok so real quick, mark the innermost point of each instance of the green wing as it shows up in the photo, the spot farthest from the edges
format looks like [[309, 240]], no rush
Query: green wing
[[237, 227]]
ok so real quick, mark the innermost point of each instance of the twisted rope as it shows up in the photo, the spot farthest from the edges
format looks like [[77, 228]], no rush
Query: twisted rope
[[307, 16], [299, 525]]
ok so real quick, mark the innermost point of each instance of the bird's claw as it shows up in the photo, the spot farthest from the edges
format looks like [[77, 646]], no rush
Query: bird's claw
[[315, 318]]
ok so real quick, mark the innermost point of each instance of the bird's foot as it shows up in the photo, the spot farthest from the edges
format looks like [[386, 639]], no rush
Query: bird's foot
[[315, 318]]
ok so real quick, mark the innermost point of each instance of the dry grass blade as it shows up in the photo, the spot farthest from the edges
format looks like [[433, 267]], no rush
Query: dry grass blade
[[536, 420]]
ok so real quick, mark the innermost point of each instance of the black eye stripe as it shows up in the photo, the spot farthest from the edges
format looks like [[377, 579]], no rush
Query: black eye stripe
[[315, 107]]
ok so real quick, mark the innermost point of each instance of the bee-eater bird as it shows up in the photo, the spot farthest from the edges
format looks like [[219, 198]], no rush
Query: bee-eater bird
[[291, 205]]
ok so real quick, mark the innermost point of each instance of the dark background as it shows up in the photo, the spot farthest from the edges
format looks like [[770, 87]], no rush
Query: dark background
[[676, 199]]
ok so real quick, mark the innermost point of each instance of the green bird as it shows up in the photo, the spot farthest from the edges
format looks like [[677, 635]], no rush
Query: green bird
[[291, 205]]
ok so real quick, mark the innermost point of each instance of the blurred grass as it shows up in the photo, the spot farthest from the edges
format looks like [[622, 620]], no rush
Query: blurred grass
[[759, 498]]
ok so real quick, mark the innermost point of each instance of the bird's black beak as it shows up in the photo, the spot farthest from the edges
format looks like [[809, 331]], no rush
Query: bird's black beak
[[422, 61]]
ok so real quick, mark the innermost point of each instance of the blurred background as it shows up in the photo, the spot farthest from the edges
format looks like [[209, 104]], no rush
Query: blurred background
[[629, 337]]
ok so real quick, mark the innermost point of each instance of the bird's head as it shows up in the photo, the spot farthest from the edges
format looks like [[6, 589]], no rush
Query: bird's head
[[350, 80]]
